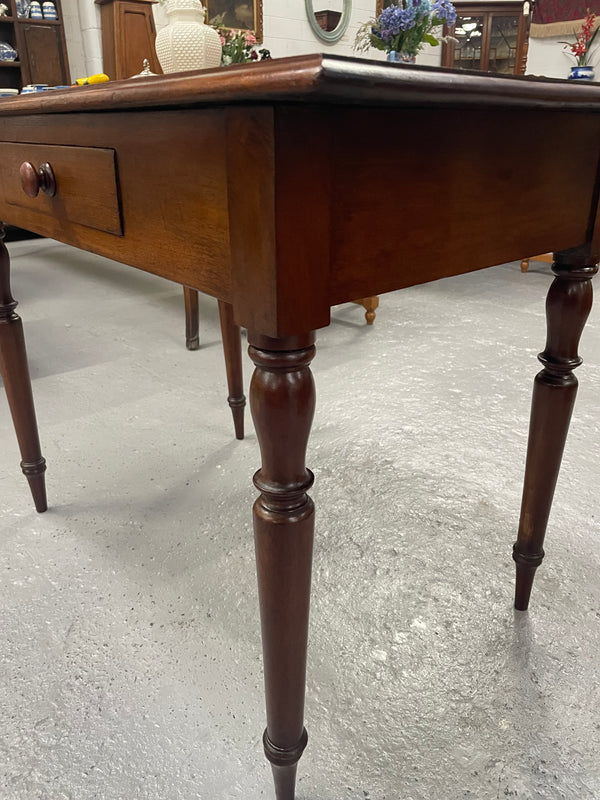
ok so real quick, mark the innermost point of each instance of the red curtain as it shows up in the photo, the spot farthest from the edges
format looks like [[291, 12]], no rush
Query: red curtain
[[548, 11]]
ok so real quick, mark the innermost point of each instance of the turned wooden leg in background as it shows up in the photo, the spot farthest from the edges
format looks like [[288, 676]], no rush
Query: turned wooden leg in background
[[370, 305], [232, 349], [192, 322], [567, 308], [15, 374], [282, 400]]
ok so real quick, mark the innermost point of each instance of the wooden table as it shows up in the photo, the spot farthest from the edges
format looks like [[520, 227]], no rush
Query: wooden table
[[283, 188]]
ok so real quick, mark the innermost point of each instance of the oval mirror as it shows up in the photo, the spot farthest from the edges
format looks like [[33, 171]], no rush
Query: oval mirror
[[330, 19]]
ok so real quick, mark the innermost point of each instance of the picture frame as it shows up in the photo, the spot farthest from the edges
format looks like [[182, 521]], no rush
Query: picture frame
[[237, 15]]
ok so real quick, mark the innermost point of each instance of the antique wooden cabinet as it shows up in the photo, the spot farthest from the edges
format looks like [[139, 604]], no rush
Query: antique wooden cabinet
[[491, 37], [128, 34], [41, 49]]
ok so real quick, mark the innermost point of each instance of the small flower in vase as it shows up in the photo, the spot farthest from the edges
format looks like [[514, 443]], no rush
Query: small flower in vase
[[239, 46], [402, 29], [580, 48]]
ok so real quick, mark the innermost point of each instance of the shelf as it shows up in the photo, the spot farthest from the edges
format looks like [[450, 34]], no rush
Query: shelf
[[7, 19], [16, 64], [23, 20]]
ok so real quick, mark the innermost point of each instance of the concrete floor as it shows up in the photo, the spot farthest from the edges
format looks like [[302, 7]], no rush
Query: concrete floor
[[130, 656]]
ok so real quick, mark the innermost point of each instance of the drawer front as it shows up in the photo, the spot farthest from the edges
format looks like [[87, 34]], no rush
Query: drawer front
[[86, 184]]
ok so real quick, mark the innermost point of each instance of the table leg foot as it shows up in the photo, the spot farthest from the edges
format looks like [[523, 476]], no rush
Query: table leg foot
[[15, 374], [282, 400], [232, 348], [192, 320], [567, 308]]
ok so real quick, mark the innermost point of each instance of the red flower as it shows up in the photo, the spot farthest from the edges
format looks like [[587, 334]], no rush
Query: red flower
[[583, 40]]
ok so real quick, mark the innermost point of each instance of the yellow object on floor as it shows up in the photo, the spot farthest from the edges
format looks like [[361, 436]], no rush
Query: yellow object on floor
[[100, 78]]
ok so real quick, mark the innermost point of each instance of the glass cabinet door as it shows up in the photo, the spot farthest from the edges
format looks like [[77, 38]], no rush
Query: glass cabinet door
[[504, 36], [468, 32]]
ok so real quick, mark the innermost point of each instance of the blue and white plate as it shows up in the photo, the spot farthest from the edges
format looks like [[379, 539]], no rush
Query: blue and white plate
[[7, 52]]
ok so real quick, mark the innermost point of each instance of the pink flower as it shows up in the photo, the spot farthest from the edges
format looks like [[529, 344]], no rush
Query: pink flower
[[222, 38], [250, 39]]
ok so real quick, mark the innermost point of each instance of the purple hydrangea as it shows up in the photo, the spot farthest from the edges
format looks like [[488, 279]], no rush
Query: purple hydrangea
[[444, 10], [406, 25], [394, 19]]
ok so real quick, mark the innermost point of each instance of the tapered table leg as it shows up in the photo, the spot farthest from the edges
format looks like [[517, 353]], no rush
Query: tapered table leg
[[282, 400], [567, 308], [232, 349], [192, 322], [15, 374]]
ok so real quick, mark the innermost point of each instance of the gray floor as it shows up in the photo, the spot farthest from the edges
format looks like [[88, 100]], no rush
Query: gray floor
[[130, 658]]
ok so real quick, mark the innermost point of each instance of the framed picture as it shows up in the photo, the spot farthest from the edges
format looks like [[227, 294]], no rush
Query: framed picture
[[238, 14]]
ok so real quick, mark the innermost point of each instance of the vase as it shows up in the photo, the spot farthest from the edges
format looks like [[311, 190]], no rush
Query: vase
[[396, 57], [581, 74], [186, 42]]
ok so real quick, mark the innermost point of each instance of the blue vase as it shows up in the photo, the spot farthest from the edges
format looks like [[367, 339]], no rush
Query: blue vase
[[581, 74], [396, 57]]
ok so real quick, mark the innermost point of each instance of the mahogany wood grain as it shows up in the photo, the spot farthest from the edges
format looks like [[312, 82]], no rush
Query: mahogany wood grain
[[282, 401], [150, 190], [567, 308], [192, 320], [15, 374], [85, 188], [323, 80], [454, 191], [232, 348]]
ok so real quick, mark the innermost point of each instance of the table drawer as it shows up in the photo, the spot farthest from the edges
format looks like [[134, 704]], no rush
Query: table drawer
[[87, 190]]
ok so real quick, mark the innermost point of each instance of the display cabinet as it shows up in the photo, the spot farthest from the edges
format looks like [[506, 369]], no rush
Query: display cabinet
[[41, 49], [491, 37]]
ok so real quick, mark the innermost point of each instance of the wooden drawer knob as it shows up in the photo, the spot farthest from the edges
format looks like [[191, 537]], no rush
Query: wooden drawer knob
[[32, 179]]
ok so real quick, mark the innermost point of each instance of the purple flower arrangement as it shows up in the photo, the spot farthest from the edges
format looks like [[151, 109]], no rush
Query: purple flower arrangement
[[405, 26]]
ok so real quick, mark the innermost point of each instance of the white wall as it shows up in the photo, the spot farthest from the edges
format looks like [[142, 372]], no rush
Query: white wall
[[74, 37], [287, 32], [549, 58], [84, 37]]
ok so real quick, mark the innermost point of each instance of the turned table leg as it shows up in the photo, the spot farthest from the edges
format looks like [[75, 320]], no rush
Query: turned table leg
[[567, 308], [232, 349], [15, 374], [192, 321], [282, 400]]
